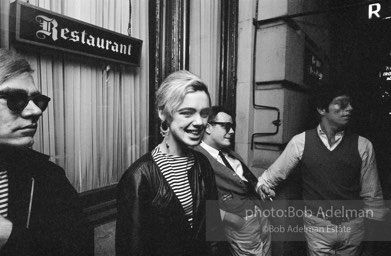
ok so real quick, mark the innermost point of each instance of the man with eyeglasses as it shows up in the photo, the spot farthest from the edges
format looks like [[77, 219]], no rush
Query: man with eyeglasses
[[245, 227], [39, 209]]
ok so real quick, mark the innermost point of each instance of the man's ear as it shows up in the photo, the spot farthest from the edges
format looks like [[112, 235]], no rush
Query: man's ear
[[321, 111], [207, 129]]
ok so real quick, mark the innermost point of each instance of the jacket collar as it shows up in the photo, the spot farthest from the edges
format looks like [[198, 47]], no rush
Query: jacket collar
[[22, 158]]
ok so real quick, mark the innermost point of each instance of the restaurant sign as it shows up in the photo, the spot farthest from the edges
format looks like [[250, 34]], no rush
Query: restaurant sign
[[40, 27], [379, 10]]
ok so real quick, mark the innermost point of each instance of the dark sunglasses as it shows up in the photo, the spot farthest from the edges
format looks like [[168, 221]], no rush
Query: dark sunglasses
[[227, 125], [17, 101]]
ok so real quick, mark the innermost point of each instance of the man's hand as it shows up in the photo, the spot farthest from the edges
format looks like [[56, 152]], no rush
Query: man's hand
[[266, 193], [5, 230]]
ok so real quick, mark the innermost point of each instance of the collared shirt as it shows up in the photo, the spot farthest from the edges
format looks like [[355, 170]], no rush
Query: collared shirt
[[236, 164], [371, 191], [337, 138]]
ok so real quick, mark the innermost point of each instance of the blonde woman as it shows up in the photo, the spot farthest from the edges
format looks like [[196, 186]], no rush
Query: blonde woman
[[162, 197]]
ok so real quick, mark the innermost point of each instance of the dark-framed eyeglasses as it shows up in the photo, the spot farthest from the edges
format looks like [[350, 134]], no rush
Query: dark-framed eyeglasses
[[227, 125], [17, 101]]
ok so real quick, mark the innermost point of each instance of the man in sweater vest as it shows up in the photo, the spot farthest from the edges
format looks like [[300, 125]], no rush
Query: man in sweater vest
[[341, 187], [247, 232]]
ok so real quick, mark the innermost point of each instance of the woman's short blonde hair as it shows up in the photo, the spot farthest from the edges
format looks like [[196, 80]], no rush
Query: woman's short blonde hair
[[173, 90]]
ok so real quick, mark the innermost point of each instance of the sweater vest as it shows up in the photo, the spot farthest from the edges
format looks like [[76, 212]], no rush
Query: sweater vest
[[331, 179]]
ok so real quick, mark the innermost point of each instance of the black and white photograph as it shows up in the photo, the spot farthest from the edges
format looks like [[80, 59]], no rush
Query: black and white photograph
[[195, 127]]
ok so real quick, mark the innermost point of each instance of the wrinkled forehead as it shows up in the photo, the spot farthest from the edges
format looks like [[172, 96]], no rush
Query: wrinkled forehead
[[23, 83]]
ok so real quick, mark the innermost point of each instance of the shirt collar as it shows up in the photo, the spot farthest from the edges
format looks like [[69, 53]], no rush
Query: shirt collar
[[322, 133], [214, 152]]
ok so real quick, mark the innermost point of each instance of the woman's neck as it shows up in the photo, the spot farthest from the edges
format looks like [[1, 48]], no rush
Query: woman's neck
[[172, 147]]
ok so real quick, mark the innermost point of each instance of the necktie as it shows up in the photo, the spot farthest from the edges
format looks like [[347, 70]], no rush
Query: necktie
[[3, 193], [225, 160]]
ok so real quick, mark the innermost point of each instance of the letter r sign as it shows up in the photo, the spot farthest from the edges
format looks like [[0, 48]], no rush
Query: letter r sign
[[374, 9]]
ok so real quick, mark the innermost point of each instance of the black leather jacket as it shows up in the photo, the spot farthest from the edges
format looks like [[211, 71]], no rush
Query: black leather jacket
[[43, 207], [151, 220]]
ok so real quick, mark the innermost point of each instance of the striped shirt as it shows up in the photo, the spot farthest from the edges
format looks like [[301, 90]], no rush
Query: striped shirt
[[174, 170], [3, 193]]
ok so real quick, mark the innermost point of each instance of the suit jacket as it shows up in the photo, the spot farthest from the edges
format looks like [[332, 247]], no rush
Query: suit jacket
[[235, 195], [55, 224]]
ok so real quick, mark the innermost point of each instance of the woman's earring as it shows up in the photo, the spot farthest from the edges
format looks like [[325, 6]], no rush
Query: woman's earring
[[164, 128]]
